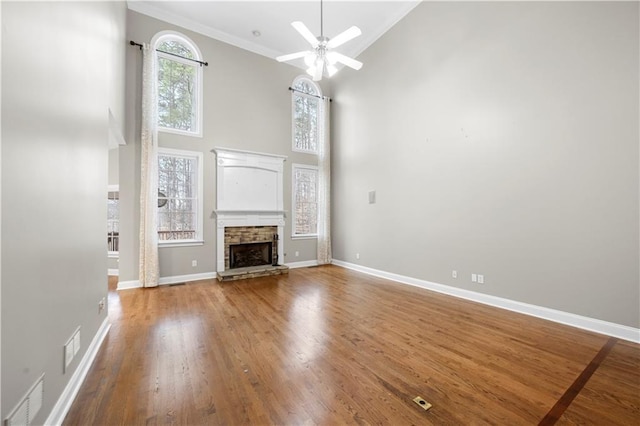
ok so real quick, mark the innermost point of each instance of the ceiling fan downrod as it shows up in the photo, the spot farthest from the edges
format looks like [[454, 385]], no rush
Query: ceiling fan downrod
[[321, 21]]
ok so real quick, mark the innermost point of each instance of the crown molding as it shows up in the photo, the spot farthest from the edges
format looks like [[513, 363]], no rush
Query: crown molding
[[171, 18], [368, 40]]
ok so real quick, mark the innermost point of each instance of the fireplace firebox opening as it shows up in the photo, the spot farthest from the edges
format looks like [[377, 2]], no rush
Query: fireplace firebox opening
[[250, 254]]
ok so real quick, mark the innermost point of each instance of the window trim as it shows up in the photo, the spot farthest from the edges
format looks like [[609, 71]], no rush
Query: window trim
[[320, 118], [199, 240], [163, 36], [295, 236], [114, 188]]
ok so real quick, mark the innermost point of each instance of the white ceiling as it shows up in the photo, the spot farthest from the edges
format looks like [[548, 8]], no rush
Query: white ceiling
[[235, 21]]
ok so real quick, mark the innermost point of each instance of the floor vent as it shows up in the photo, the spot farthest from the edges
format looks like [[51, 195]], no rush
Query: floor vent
[[29, 406]]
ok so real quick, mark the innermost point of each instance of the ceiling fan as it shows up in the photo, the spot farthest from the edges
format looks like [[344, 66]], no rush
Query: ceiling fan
[[322, 58]]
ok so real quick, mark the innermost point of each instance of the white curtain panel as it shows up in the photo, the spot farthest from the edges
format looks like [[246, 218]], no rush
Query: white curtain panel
[[148, 267], [324, 187]]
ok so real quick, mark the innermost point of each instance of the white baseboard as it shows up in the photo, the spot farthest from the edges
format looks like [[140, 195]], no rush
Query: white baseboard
[[184, 278], [60, 410], [302, 264], [113, 272], [592, 324], [126, 285]]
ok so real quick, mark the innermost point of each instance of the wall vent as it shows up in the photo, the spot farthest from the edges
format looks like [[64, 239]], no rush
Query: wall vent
[[28, 407]]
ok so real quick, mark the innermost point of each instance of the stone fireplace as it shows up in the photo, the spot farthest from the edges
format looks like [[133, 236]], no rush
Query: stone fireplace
[[249, 213], [250, 244]]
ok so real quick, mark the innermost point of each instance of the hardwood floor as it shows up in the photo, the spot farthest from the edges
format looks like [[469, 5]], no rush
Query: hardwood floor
[[330, 346]]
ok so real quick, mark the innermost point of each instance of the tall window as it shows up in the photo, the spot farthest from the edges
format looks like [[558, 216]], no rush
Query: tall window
[[179, 84], [113, 221], [305, 200], [179, 196], [306, 115]]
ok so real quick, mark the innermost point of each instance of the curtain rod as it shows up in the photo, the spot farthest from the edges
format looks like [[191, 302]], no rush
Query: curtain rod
[[206, 64], [309, 94]]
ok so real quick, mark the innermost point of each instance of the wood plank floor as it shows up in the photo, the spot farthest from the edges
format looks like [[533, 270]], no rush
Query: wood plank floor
[[330, 346]]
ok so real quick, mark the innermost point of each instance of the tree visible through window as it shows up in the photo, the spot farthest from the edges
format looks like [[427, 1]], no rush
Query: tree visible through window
[[179, 85], [306, 115], [305, 200], [179, 195]]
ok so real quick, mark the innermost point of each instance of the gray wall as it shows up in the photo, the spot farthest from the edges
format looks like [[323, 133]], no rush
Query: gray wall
[[246, 106], [114, 173], [62, 69], [502, 139]]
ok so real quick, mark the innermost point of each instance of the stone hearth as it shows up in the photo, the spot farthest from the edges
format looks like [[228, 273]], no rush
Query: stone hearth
[[252, 272]]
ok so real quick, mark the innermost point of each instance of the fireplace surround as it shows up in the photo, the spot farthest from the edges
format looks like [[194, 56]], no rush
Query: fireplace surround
[[249, 204], [250, 236]]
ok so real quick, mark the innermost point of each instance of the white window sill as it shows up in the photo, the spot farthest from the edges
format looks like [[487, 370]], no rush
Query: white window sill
[[304, 151], [197, 134], [304, 237], [180, 243]]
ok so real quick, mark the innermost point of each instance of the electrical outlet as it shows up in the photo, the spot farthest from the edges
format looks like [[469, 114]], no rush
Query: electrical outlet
[[474, 278], [357, 255], [454, 274], [297, 253], [101, 305], [421, 402], [480, 279], [194, 263]]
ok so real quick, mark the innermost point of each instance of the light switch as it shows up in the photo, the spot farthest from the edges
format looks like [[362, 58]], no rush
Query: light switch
[[372, 197]]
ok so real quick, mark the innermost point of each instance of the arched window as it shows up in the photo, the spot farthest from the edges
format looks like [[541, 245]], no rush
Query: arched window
[[307, 116], [179, 84]]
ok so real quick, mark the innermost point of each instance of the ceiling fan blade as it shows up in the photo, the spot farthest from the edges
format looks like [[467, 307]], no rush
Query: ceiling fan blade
[[339, 57], [305, 32], [317, 75], [344, 37], [290, 56]]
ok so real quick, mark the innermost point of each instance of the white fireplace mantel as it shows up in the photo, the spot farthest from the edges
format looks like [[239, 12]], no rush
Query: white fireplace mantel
[[249, 193], [249, 218]]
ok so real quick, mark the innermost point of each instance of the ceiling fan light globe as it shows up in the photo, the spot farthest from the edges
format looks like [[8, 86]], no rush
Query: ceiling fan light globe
[[311, 71], [331, 70], [317, 76]]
